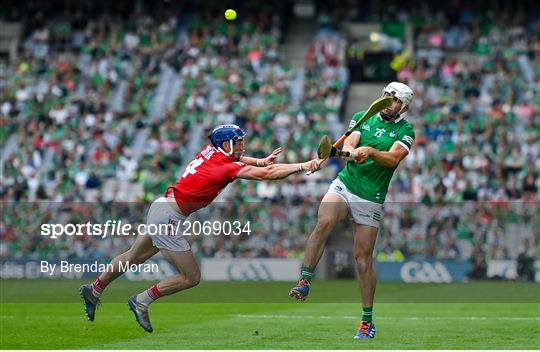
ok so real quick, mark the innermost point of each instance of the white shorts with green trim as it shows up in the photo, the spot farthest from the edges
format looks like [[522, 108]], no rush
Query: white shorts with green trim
[[362, 211]]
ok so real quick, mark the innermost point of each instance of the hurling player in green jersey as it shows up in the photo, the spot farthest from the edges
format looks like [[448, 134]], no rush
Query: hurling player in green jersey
[[377, 147]]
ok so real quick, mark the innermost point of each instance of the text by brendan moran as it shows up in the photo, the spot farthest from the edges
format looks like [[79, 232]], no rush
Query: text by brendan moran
[[66, 267]]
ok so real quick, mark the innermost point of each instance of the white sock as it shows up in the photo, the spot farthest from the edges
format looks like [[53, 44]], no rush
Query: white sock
[[95, 292], [97, 287], [145, 298]]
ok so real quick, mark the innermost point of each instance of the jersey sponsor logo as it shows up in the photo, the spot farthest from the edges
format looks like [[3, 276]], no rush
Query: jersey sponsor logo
[[364, 127], [208, 152], [407, 139], [393, 133], [380, 132]]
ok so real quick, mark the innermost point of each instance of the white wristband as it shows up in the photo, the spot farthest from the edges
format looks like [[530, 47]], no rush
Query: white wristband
[[260, 162]]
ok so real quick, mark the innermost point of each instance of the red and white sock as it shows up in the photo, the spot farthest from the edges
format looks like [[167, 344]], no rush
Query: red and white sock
[[98, 286], [148, 296]]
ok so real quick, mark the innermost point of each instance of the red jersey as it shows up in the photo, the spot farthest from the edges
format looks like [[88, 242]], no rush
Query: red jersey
[[207, 175]]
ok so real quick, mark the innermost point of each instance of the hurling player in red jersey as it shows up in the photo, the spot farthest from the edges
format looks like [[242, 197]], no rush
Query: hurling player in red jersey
[[217, 165]]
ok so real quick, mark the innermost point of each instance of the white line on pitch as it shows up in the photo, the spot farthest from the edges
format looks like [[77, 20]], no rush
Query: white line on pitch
[[278, 316]]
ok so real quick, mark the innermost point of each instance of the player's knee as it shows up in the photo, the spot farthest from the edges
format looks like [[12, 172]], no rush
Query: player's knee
[[364, 262], [324, 224], [193, 279], [135, 258]]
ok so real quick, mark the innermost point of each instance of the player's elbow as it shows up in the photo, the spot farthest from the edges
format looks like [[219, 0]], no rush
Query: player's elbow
[[393, 163], [270, 172]]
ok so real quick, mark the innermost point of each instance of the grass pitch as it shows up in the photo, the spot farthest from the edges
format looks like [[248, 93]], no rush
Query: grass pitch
[[189, 321]]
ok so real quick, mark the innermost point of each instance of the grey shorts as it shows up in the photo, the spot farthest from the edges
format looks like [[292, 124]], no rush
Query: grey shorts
[[362, 211], [165, 227]]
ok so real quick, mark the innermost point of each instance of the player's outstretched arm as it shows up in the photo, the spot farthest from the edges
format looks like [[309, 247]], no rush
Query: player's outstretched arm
[[269, 160], [276, 171]]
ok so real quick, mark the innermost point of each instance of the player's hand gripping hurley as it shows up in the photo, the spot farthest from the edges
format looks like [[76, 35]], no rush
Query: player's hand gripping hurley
[[325, 152]]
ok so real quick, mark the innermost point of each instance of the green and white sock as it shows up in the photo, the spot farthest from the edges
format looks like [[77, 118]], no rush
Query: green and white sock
[[307, 273], [367, 314]]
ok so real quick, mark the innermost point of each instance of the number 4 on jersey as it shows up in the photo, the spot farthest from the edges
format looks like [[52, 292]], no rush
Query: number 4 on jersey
[[191, 169]]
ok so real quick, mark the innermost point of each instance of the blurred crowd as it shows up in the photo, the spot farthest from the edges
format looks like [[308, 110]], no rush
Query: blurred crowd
[[109, 108], [476, 112], [497, 230]]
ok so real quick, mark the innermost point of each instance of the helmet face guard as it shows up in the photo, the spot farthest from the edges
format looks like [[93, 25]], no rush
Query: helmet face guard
[[224, 133], [400, 91]]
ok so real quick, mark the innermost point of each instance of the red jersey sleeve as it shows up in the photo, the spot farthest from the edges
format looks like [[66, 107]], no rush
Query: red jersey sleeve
[[232, 169]]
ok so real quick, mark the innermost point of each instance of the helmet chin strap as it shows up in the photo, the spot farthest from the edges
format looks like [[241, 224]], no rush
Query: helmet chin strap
[[388, 117], [224, 152]]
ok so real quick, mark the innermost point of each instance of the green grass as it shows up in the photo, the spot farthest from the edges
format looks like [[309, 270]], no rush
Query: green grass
[[196, 325], [335, 291]]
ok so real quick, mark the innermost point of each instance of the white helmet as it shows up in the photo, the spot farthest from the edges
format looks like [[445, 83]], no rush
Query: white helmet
[[401, 91]]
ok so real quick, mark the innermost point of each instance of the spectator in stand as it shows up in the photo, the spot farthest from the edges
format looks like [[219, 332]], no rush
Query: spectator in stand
[[525, 262], [478, 262]]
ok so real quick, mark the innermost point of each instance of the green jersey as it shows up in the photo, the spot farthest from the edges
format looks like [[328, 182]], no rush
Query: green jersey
[[370, 180]]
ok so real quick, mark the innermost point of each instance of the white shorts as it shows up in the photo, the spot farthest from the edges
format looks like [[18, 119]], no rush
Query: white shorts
[[362, 211], [167, 237]]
